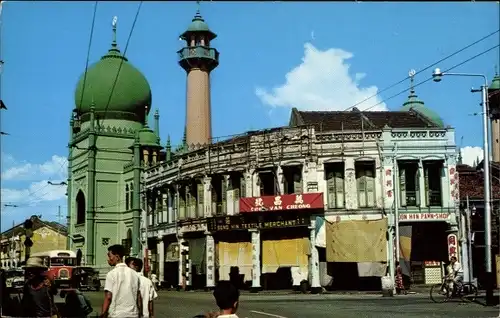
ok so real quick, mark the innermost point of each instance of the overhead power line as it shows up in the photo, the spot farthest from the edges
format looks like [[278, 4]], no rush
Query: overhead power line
[[423, 70], [430, 78], [121, 62], [88, 55]]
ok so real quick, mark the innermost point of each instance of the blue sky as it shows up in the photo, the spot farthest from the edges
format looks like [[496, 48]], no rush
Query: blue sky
[[273, 56]]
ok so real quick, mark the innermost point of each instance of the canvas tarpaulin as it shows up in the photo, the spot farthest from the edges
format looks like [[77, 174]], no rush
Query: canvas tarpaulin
[[172, 252], [235, 254], [285, 253], [372, 269], [405, 233], [356, 241]]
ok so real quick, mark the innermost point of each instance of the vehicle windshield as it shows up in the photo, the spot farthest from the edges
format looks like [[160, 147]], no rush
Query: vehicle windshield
[[62, 261]]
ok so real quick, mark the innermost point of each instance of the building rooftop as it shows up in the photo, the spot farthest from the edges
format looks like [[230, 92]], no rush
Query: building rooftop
[[357, 120], [37, 224]]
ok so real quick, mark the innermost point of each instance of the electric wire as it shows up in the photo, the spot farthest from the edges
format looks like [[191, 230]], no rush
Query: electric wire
[[430, 78], [88, 56], [121, 62], [424, 69]]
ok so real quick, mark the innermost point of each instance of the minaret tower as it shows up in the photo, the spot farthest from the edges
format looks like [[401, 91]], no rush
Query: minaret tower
[[198, 59]]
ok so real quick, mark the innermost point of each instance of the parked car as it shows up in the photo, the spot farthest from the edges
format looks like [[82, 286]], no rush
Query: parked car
[[15, 278], [86, 278]]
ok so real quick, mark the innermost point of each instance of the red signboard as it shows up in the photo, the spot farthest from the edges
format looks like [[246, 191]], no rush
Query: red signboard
[[452, 245], [282, 202]]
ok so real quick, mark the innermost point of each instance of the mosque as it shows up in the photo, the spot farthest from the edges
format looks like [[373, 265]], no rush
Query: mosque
[[198, 211]]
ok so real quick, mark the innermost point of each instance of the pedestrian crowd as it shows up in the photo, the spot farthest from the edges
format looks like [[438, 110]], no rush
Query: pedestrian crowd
[[127, 293]]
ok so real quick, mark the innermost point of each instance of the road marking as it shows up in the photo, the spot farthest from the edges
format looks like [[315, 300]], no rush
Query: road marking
[[266, 314]]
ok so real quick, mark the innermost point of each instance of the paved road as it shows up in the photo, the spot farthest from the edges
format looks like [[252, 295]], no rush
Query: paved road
[[188, 304]]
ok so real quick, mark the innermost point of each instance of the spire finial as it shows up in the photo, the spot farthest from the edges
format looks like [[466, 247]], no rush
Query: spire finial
[[411, 74], [113, 24], [146, 115], [496, 69]]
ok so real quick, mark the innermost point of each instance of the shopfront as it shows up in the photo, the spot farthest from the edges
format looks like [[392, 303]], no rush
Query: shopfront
[[268, 245]]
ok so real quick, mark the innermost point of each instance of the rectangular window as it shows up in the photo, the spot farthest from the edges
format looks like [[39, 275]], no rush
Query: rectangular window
[[292, 179], [334, 173], [181, 197], [433, 172], [200, 192], [409, 187], [365, 179]]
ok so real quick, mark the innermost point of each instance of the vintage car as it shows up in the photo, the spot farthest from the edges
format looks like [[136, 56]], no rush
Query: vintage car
[[86, 278], [14, 278]]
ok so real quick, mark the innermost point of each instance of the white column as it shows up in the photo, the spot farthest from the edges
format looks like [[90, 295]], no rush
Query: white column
[[421, 184], [249, 183], [165, 207], [255, 260], [446, 197], [207, 196], [351, 193], [170, 206], [229, 195], [160, 247], [210, 260], [314, 259], [255, 184], [281, 184], [182, 264]]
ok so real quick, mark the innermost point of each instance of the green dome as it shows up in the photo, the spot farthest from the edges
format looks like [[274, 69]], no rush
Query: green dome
[[198, 25], [131, 93], [495, 83], [417, 105], [148, 138]]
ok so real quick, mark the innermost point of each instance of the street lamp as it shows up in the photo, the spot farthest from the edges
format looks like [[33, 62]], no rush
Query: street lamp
[[437, 76]]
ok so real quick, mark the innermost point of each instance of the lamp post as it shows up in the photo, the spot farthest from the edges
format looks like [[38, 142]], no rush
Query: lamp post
[[437, 77]]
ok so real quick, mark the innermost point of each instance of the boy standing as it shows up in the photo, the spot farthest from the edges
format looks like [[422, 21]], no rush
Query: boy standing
[[148, 292]]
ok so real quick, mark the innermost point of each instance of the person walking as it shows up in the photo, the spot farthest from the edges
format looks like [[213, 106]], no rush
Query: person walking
[[122, 288], [38, 291], [148, 291]]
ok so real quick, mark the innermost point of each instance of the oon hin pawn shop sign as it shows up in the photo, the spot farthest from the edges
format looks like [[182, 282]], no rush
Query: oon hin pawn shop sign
[[282, 202]]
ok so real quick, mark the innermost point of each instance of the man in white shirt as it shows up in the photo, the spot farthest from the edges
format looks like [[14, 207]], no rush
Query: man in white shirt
[[148, 292], [122, 288]]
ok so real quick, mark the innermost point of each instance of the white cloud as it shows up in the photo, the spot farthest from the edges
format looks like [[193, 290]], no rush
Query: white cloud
[[470, 155], [35, 192], [321, 82], [56, 167], [25, 184]]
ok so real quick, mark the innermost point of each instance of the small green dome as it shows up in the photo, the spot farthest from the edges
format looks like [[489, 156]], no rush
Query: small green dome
[[417, 105], [495, 83], [148, 138], [198, 25], [131, 92]]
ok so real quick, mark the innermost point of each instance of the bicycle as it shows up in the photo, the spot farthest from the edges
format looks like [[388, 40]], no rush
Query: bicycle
[[463, 291]]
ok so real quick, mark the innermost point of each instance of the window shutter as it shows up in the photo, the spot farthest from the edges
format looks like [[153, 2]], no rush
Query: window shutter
[[330, 180], [297, 183], [417, 186], [200, 192], [361, 180], [426, 186], [339, 187], [370, 188], [224, 196], [402, 186]]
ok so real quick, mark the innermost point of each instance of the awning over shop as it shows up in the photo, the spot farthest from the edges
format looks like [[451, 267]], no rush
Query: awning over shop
[[285, 253], [356, 241], [234, 255]]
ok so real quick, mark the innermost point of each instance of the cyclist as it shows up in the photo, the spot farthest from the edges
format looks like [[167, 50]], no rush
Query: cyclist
[[458, 272]]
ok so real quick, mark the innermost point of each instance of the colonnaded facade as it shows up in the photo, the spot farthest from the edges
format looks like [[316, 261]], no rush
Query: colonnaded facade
[[313, 201]]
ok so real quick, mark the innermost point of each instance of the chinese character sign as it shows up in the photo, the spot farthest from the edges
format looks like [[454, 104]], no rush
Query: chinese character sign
[[452, 245], [282, 202]]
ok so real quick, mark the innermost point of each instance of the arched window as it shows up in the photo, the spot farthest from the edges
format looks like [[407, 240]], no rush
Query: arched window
[[127, 198], [131, 196], [80, 208]]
